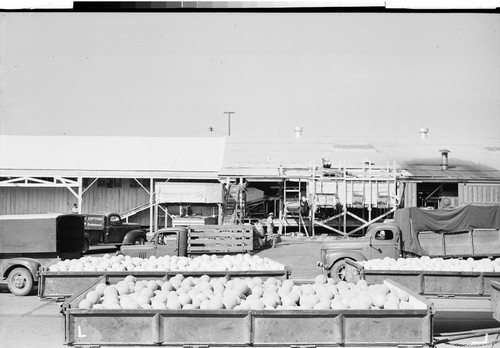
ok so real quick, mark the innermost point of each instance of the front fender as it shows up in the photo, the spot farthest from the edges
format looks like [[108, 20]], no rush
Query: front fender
[[333, 257], [131, 235], [31, 265]]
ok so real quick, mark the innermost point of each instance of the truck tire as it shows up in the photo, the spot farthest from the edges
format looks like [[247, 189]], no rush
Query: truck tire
[[139, 240], [86, 246], [338, 270], [20, 281]]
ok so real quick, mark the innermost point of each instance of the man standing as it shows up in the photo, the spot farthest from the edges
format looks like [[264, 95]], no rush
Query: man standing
[[270, 229], [304, 207]]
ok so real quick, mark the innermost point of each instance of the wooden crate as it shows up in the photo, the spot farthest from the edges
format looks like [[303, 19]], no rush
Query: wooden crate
[[215, 239]]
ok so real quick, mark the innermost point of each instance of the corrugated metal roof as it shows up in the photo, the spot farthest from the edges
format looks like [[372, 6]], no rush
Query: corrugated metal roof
[[260, 156], [108, 156]]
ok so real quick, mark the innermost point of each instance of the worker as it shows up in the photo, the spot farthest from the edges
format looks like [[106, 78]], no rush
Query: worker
[[304, 207], [74, 209], [259, 233], [270, 230], [326, 162], [380, 235]]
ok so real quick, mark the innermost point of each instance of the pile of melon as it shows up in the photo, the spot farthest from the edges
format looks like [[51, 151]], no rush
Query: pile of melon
[[425, 263], [216, 293], [203, 263]]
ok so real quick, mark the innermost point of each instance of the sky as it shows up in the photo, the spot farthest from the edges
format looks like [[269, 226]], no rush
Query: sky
[[175, 74]]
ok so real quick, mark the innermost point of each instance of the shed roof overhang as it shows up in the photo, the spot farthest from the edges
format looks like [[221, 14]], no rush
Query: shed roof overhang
[[108, 174]]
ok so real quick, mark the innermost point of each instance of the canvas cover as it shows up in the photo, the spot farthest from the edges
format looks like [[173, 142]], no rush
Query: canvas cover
[[413, 220], [205, 193]]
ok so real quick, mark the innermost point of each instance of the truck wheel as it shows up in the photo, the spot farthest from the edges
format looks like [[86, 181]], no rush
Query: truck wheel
[[139, 240], [20, 281], [338, 271], [86, 246]]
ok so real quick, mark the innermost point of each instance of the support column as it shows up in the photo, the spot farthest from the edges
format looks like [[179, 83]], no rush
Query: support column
[[151, 193], [80, 194]]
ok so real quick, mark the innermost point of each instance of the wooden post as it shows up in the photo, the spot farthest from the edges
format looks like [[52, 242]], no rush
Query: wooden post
[[80, 194], [313, 203], [151, 192]]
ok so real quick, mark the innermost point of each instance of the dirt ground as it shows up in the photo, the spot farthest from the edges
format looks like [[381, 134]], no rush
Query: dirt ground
[[300, 254]]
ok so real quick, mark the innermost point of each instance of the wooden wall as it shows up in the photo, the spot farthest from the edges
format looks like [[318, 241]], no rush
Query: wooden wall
[[38, 200], [479, 194]]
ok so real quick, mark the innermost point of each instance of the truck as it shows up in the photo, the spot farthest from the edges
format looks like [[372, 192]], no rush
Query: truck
[[28, 242], [109, 229], [397, 328], [191, 240], [468, 231]]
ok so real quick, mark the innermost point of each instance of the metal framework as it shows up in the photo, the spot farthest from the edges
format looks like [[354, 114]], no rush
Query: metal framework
[[366, 187], [343, 188]]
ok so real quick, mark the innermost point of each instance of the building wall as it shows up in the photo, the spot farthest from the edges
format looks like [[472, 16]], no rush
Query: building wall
[[479, 194], [410, 194], [39, 200], [34, 200]]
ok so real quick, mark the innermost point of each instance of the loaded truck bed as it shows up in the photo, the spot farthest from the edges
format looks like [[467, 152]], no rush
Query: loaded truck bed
[[243, 328], [62, 285], [461, 299]]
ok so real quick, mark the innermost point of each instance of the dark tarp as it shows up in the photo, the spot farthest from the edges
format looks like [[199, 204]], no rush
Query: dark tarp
[[413, 220]]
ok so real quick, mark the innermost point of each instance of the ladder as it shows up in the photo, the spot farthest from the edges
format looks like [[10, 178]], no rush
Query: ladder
[[295, 191], [233, 212]]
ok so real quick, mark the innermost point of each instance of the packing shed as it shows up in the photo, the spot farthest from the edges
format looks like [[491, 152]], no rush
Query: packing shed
[[349, 183]]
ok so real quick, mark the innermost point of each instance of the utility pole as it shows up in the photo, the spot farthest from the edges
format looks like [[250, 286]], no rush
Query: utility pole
[[229, 121]]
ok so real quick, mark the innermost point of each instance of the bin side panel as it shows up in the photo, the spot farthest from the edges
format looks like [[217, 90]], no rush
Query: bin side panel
[[57, 285], [297, 329], [115, 329], [489, 278], [495, 299], [411, 280], [385, 329], [196, 328], [453, 284]]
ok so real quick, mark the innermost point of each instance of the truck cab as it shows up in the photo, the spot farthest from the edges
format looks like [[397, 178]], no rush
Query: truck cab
[[166, 241], [108, 228], [381, 240]]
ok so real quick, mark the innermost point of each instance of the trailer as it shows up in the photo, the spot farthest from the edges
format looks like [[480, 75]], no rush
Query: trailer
[[243, 328], [27, 242], [469, 231], [429, 283], [461, 299], [62, 285]]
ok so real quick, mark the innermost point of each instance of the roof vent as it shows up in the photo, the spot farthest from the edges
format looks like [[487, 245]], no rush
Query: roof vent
[[444, 158], [298, 131], [423, 132]]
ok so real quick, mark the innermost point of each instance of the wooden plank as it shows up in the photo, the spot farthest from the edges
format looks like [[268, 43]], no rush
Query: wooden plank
[[232, 249], [220, 235], [219, 240]]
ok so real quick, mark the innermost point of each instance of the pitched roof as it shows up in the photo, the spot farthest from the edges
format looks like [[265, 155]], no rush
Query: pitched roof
[[257, 157], [262, 156], [111, 156]]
